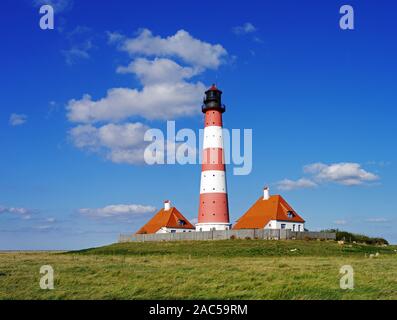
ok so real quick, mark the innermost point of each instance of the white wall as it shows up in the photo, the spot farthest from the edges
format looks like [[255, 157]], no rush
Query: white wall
[[169, 230], [276, 224]]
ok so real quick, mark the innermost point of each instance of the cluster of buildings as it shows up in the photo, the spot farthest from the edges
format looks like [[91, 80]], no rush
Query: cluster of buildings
[[268, 212]]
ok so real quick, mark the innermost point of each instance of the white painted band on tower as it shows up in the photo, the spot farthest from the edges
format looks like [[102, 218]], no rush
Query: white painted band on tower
[[213, 137], [213, 181]]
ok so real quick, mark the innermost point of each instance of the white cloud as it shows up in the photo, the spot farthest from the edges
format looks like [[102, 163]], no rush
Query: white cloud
[[58, 5], [244, 29], [345, 173], [120, 143], [161, 99], [340, 222], [167, 92], [180, 45], [257, 40], [44, 228], [159, 70], [21, 212], [81, 43], [117, 211], [114, 37], [302, 183], [17, 119], [76, 53], [377, 220]]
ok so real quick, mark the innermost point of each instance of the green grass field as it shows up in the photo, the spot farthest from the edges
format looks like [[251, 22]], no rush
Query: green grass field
[[230, 269]]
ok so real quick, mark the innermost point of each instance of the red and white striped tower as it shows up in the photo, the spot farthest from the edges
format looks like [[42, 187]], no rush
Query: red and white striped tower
[[213, 209]]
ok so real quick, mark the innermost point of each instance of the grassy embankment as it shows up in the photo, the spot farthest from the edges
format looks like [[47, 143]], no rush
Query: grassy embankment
[[230, 269]]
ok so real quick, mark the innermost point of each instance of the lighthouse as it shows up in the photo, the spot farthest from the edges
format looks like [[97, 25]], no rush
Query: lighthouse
[[213, 209]]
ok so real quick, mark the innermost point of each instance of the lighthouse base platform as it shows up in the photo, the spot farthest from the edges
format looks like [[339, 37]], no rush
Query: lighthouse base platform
[[213, 226]]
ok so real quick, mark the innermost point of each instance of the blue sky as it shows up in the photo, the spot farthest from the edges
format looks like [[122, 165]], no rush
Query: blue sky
[[321, 102]]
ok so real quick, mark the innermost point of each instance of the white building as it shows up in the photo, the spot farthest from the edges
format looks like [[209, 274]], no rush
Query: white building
[[271, 212], [167, 220]]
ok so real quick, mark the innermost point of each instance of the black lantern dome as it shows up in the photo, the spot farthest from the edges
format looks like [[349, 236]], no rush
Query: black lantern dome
[[213, 100]]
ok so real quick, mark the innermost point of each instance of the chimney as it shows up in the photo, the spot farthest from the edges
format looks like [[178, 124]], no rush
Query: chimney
[[266, 194], [167, 205]]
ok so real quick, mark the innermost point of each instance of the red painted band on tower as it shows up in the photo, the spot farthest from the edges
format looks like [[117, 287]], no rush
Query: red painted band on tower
[[213, 155], [213, 118], [213, 208]]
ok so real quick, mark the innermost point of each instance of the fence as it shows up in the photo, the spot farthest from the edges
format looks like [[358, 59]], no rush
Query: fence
[[265, 234]]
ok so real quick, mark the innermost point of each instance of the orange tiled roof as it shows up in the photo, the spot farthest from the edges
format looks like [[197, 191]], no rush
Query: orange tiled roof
[[257, 217], [169, 219]]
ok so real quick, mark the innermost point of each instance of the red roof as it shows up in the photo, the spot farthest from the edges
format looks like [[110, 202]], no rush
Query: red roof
[[213, 88], [171, 218], [275, 208]]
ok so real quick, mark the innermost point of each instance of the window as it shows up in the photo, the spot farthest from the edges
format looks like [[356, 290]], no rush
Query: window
[[283, 226], [181, 222], [293, 227], [290, 214], [299, 227], [173, 231]]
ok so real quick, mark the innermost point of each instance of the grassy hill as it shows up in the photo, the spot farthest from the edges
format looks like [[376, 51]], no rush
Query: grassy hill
[[230, 269], [237, 248]]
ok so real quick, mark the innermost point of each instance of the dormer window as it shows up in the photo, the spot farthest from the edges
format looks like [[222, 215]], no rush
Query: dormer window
[[290, 214], [181, 222]]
